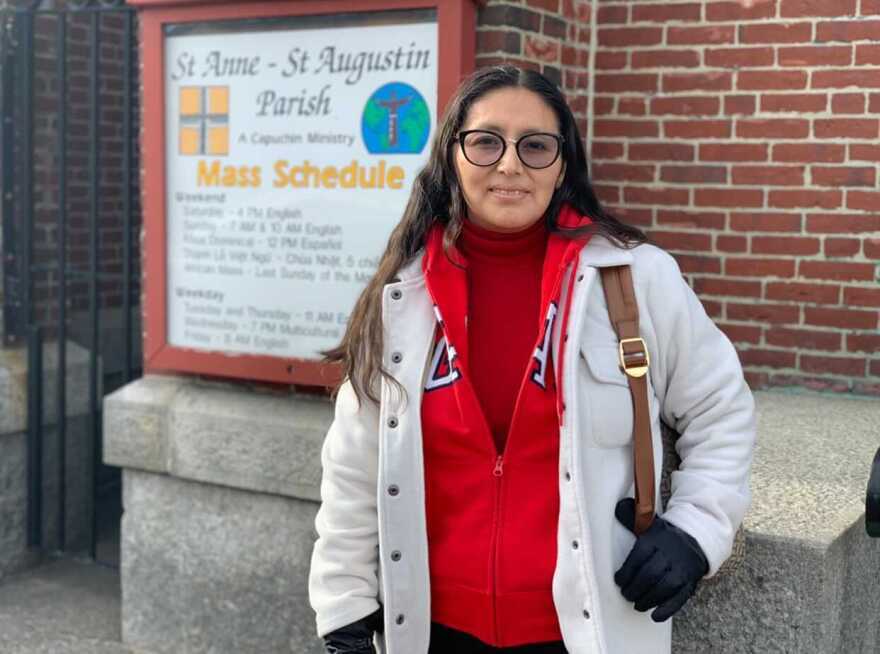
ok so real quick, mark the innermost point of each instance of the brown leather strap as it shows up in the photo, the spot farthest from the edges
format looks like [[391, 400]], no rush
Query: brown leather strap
[[624, 313]]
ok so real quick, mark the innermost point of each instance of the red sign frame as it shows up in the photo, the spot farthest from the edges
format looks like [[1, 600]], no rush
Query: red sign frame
[[456, 23]]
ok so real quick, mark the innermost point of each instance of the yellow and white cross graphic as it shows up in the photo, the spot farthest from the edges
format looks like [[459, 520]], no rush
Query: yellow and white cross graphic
[[204, 120]]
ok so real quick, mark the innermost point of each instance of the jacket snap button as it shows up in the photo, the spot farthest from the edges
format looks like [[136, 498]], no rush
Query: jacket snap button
[[397, 357], [574, 544], [395, 555], [586, 614], [567, 476], [393, 489], [392, 422], [396, 294], [580, 278], [399, 619]]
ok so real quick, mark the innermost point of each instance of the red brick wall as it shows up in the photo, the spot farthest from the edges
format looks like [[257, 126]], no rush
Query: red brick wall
[[746, 141], [552, 36]]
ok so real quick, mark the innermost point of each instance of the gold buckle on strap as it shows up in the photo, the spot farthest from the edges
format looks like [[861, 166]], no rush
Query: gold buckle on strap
[[638, 369]]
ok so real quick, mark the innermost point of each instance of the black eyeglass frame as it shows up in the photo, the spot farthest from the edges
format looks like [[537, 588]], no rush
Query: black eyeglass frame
[[464, 133]]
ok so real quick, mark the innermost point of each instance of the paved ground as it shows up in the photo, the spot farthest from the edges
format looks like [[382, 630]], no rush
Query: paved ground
[[63, 607]]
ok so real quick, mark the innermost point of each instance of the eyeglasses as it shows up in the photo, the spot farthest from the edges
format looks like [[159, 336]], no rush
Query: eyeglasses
[[484, 148]]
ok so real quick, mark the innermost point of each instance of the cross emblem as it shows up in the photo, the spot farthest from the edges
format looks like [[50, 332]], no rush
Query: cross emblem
[[392, 105], [204, 120]]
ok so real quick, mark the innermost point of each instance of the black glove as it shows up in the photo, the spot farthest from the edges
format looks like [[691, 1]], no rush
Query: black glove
[[356, 638], [663, 568]]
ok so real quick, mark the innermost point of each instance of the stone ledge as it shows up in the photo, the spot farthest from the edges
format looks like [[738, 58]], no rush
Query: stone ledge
[[808, 481], [218, 433], [814, 455], [135, 423], [808, 582]]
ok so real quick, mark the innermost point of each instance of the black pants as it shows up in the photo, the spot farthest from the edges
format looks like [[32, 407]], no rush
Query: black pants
[[445, 640]]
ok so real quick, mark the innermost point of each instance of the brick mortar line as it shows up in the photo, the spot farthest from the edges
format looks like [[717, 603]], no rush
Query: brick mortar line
[[731, 140], [812, 258], [770, 21], [690, 118], [769, 68], [758, 115], [778, 210], [774, 68], [703, 20], [734, 45]]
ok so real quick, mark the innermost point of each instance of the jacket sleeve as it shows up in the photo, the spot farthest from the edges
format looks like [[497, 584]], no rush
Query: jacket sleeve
[[704, 396], [343, 583]]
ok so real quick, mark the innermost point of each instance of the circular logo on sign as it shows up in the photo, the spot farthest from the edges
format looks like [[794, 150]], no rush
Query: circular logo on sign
[[396, 120]]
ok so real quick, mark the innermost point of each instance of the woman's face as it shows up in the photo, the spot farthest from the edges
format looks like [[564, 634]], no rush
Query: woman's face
[[508, 196]]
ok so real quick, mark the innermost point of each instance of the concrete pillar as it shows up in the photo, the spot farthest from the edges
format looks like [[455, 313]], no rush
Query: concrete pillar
[[220, 490]]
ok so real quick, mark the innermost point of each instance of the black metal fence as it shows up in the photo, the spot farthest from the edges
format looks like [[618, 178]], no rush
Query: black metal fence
[[70, 216]]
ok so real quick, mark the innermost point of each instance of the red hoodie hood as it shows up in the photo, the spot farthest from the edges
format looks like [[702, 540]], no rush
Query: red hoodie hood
[[446, 271]]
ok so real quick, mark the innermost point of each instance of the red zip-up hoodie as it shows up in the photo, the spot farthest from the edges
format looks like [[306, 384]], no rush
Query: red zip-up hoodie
[[492, 516]]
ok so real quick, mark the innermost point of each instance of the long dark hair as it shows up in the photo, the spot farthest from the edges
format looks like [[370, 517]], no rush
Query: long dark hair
[[436, 197]]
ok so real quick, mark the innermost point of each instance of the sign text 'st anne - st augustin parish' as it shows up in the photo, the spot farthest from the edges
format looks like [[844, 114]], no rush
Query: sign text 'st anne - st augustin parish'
[[329, 61]]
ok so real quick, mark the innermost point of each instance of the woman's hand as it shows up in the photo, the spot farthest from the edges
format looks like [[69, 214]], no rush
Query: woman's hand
[[663, 568], [355, 638]]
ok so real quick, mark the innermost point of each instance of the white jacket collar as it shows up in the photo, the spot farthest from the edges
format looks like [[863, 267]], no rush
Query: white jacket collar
[[599, 252], [411, 270]]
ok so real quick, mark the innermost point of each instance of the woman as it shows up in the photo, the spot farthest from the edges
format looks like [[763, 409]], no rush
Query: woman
[[478, 473]]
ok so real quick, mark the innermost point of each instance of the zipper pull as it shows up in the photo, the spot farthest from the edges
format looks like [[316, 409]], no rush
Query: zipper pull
[[498, 466]]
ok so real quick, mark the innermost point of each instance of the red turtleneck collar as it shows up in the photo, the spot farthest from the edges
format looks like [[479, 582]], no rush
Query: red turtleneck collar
[[479, 243]]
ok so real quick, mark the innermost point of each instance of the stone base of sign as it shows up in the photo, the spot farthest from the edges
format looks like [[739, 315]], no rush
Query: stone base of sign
[[14, 553], [208, 568], [220, 492]]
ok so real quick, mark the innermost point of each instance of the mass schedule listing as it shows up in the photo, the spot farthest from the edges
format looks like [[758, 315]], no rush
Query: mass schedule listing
[[234, 262]]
